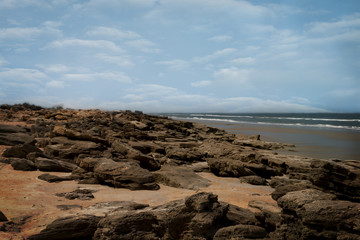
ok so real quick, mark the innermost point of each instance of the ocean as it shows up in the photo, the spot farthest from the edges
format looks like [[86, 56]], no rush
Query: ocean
[[316, 135], [341, 121]]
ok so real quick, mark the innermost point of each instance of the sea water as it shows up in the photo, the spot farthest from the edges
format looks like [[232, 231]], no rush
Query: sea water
[[343, 121], [317, 135]]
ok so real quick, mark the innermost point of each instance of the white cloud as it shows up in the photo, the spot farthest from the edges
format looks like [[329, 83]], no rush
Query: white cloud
[[176, 64], [251, 104], [215, 55], [158, 98], [220, 38], [54, 68], [343, 25], [104, 76], [19, 33], [201, 83], [143, 45], [344, 92], [3, 61], [113, 33], [22, 3], [74, 42], [121, 61], [183, 9], [233, 75], [120, 4], [55, 84], [246, 60], [9, 75]]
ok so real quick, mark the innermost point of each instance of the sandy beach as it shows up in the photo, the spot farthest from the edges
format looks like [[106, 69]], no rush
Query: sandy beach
[[309, 142]]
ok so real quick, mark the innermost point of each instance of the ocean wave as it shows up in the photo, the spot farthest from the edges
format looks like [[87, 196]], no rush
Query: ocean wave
[[273, 123], [279, 118]]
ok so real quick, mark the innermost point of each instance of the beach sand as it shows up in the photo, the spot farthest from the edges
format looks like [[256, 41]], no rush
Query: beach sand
[[310, 142]]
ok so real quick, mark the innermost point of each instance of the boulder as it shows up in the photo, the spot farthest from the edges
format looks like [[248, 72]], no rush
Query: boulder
[[241, 232], [342, 180], [228, 168], [128, 226], [14, 135], [147, 147], [23, 164], [200, 218], [313, 214], [321, 219], [72, 227], [75, 135], [53, 178], [146, 161], [124, 175], [293, 201], [283, 189], [62, 148], [51, 165], [20, 151], [254, 180], [3, 218], [5, 128], [12, 139], [79, 193], [180, 177], [237, 215]]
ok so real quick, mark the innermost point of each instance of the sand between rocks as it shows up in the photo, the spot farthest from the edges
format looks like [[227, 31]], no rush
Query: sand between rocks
[[23, 194]]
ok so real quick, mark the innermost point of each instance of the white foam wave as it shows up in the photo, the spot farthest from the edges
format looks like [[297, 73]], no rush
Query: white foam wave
[[279, 118], [273, 124]]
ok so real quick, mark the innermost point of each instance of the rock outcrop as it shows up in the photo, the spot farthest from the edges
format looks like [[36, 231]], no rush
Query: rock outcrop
[[123, 149]]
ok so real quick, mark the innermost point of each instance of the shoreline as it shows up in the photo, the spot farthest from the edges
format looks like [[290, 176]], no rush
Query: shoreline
[[309, 142]]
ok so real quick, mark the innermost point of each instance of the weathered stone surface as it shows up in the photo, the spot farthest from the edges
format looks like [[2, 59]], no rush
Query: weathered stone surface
[[237, 215], [14, 135], [53, 178], [254, 180], [201, 217], [229, 168], [282, 189], [20, 151], [15, 224], [4, 128], [293, 201], [344, 181], [50, 165], [72, 227], [127, 226], [69, 149], [23, 164], [71, 134], [79, 193], [146, 162], [180, 177], [105, 208], [312, 214], [12, 139], [124, 175], [240, 232], [68, 207]]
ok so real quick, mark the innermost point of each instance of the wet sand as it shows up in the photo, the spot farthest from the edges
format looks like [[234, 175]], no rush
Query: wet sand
[[309, 142]]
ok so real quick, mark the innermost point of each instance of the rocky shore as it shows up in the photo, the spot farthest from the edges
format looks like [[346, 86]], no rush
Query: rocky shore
[[311, 198]]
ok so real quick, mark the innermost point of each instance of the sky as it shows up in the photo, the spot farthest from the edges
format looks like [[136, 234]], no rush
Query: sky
[[182, 55]]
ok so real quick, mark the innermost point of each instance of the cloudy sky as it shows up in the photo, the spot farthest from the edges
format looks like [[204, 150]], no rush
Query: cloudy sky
[[182, 55]]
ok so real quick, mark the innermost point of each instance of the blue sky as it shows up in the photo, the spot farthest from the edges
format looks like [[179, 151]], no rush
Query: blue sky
[[182, 55]]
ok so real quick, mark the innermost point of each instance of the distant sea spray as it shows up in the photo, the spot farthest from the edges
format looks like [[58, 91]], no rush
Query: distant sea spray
[[341, 121]]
